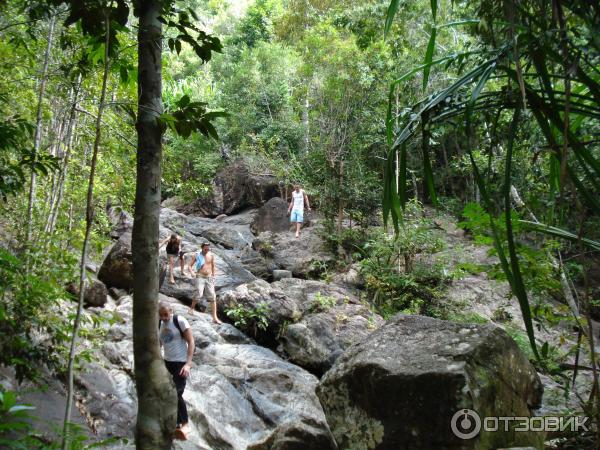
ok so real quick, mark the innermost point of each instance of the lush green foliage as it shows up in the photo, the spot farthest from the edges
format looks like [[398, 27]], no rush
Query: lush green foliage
[[250, 319], [394, 280]]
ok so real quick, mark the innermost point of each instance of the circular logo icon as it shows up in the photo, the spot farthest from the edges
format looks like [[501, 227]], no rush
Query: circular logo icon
[[465, 424]]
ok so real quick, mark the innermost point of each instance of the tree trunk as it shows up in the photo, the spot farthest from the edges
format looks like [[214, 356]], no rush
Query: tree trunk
[[38, 130], [89, 217], [305, 119], [157, 398], [340, 198], [55, 207]]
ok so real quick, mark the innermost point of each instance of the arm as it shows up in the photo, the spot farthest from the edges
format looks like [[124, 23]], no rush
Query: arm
[[212, 266], [163, 243], [191, 346], [307, 202], [191, 265]]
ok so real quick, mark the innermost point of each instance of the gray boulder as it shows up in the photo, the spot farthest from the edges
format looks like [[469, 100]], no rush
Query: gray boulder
[[95, 292], [310, 322], [230, 273], [401, 387], [272, 216], [281, 274], [234, 188], [320, 338], [239, 395], [116, 269], [305, 256], [121, 221]]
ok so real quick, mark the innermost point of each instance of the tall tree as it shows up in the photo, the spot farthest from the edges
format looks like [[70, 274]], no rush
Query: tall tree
[[38, 128], [89, 218], [156, 394]]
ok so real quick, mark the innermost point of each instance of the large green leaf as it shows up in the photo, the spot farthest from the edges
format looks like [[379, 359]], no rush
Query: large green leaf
[[389, 17], [517, 280], [429, 56], [560, 233]]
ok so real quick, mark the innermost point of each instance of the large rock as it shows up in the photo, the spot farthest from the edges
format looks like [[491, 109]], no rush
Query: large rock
[[272, 216], [239, 395], [230, 273], [94, 294], [116, 269], [310, 322], [121, 220], [320, 338], [229, 234], [305, 256], [234, 188], [401, 386]]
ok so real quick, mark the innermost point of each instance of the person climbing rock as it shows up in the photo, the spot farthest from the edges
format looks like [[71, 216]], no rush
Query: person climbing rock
[[174, 250], [296, 208], [177, 341], [204, 265]]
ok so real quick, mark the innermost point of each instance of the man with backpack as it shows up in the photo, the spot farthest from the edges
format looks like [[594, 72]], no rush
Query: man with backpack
[[204, 265], [177, 341]]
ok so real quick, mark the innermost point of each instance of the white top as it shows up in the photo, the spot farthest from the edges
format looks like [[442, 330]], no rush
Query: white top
[[175, 347], [298, 200]]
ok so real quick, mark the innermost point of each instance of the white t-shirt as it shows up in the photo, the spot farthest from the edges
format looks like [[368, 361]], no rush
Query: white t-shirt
[[175, 347], [298, 201]]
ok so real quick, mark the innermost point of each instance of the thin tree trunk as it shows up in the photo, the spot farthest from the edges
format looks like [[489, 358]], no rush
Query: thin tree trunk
[[65, 165], [89, 216], [157, 398], [305, 119], [58, 151], [38, 130], [340, 199]]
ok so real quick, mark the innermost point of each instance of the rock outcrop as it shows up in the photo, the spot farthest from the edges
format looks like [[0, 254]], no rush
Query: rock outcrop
[[401, 387], [117, 268], [272, 216], [234, 188], [310, 322], [94, 293], [239, 395], [305, 256]]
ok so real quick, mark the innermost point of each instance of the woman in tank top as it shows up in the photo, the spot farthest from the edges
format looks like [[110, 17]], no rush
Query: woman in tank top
[[174, 249]]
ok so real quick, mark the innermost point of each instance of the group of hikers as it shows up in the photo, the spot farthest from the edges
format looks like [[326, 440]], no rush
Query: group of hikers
[[175, 332]]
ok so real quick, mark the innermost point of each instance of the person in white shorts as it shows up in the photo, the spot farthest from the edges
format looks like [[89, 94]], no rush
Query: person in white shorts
[[204, 264], [296, 208]]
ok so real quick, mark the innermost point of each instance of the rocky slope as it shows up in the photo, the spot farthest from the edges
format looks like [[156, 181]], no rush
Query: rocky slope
[[257, 387]]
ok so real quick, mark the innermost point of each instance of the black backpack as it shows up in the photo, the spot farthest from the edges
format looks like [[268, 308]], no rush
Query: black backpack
[[176, 323]]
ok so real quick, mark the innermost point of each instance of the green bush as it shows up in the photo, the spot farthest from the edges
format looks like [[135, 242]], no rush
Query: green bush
[[250, 319], [394, 279]]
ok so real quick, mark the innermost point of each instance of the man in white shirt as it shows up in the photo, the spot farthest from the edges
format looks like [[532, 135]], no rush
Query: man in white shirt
[[178, 345], [296, 208]]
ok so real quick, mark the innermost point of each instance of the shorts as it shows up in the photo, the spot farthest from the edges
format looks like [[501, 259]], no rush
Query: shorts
[[205, 284], [297, 216]]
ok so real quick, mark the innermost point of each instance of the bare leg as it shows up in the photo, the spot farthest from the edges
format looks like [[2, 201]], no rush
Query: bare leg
[[298, 224], [193, 307], [214, 312], [172, 279], [181, 264]]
